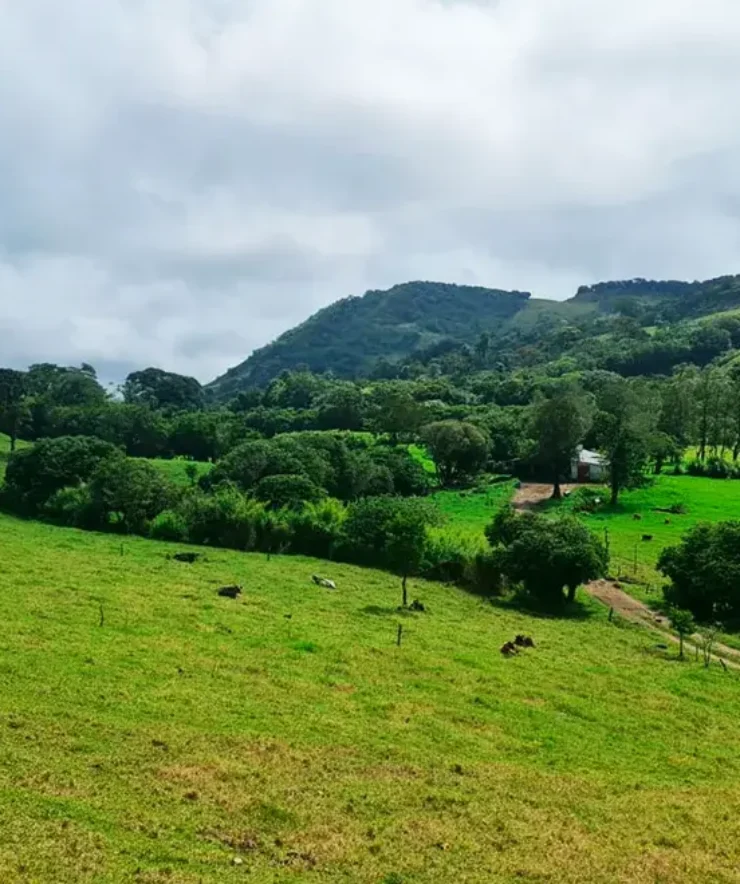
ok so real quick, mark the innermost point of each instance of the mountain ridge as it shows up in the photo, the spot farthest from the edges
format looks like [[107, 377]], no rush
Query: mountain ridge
[[351, 336]]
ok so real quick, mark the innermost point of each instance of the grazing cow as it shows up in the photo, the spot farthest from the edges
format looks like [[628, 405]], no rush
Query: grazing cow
[[524, 641], [647, 537], [509, 649], [637, 517], [322, 581], [187, 557], [230, 592]]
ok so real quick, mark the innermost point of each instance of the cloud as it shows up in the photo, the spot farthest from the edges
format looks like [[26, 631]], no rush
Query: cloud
[[182, 181]]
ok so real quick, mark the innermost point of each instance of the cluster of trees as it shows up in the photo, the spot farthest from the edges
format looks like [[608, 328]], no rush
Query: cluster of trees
[[273, 497]]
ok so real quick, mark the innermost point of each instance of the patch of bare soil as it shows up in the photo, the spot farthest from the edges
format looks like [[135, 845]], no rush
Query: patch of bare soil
[[530, 495], [611, 595]]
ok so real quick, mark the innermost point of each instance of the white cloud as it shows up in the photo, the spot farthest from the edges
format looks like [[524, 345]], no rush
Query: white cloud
[[181, 181]]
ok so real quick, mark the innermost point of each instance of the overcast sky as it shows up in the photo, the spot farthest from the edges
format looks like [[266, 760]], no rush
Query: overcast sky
[[182, 180]]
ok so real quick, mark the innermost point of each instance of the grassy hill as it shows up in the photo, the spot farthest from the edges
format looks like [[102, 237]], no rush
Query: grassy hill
[[425, 319], [350, 335], [155, 732]]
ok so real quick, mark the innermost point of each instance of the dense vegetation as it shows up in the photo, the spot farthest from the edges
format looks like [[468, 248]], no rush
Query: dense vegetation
[[284, 718], [308, 463], [389, 333]]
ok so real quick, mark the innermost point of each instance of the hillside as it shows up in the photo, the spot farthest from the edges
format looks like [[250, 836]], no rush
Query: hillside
[[348, 337], [422, 320], [153, 731]]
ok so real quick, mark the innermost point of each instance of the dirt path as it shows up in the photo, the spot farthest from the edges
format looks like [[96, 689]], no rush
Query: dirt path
[[613, 596], [531, 494]]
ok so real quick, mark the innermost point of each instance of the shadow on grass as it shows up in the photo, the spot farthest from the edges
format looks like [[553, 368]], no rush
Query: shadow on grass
[[378, 611], [525, 604]]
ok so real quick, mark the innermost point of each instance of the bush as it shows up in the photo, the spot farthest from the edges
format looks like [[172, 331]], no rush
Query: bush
[[288, 491], [72, 507], [130, 492], [547, 555], [317, 528], [169, 525], [224, 518], [34, 474], [704, 570]]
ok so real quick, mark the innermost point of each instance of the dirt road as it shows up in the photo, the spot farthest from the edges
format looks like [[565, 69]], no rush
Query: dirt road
[[530, 495], [613, 596]]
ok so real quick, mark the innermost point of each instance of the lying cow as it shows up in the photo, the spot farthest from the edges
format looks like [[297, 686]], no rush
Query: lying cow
[[524, 641], [509, 649], [322, 581]]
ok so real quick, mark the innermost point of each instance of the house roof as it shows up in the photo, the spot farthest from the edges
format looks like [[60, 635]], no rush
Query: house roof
[[593, 458]]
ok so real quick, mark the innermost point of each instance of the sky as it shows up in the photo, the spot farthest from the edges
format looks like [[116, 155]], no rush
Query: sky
[[182, 181]]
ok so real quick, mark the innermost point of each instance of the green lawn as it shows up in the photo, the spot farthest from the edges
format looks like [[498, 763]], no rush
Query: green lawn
[[154, 732], [176, 469], [469, 512], [706, 500]]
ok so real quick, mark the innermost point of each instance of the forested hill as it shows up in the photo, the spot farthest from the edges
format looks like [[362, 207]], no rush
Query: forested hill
[[420, 321], [349, 336]]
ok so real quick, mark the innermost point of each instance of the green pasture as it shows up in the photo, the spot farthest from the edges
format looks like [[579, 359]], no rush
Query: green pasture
[[153, 731]]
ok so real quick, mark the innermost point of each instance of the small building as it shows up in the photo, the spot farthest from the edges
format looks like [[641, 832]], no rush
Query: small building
[[588, 466]]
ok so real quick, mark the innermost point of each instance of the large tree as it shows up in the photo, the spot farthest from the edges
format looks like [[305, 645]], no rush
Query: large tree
[[704, 570], [165, 390], [13, 406], [545, 555], [459, 449], [625, 424], [389, 532], [560, 424]]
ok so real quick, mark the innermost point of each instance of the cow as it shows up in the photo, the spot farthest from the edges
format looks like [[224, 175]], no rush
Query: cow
[[509, 649], [524, 641], [322, 581], [230, 592]]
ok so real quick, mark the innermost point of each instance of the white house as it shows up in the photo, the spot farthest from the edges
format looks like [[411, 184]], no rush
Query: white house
[[588, 466]]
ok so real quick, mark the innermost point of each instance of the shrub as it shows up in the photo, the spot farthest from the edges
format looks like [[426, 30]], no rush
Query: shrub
[[72, 507], [169, 525], [317, 528], [130, 492], [224, 518], [288, 491], [704, 570], [34, 474]]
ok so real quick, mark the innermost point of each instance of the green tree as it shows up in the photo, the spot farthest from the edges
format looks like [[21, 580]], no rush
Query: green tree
[[547, 555], [389, 532], [34, 474], [165, 390], [288, 491], [683, 623], [131, 491], [13, 406], [394, 411], [624, 425], [704, 570], [560, 424], [341, 408], [459, 449]]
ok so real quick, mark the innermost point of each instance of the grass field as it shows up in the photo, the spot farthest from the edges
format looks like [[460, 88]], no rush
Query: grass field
[[176, 469], [154, 732], [469, 512]]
